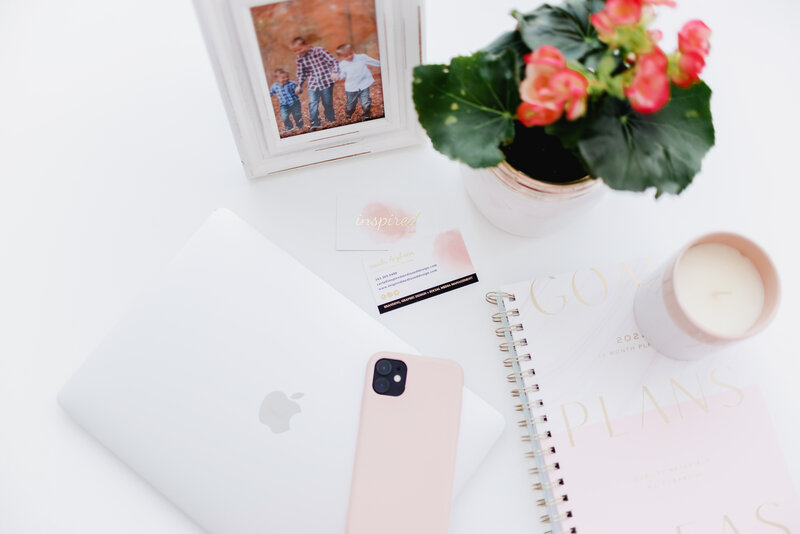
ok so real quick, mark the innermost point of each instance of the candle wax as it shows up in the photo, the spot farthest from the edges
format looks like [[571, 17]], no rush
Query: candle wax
[[719, 289]]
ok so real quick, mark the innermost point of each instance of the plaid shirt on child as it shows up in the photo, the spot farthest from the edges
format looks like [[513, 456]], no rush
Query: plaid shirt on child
[[317, 66], [285, 93]]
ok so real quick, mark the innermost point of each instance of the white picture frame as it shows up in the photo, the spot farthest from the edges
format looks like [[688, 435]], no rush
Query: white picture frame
[[232, 44]]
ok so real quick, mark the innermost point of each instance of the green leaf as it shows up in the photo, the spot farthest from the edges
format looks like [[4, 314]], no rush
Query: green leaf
[[509, 41], [633, 151], [566, 27], [468, 107]]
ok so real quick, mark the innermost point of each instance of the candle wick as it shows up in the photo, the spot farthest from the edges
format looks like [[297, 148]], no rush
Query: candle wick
[[718, 293]]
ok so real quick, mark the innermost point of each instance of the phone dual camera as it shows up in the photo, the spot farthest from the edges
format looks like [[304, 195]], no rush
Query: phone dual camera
[[389, 377]]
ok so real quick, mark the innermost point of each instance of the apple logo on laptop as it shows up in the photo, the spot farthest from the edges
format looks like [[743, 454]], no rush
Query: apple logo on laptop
[[277, 410]]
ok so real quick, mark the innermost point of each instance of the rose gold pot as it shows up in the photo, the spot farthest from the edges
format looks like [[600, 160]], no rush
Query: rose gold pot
[[521, 205]]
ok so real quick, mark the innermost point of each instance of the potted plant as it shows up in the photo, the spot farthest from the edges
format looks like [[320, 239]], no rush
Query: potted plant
[[576, 96]]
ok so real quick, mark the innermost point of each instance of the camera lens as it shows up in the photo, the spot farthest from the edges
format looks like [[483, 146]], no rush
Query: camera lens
[[383, 367], [382, 385]]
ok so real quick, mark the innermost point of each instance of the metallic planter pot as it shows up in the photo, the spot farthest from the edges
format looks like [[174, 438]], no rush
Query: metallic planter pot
[[521, 205]]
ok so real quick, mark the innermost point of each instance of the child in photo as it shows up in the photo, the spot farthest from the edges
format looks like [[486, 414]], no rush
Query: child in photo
[[290, 102], [354, 70], [321, 69]]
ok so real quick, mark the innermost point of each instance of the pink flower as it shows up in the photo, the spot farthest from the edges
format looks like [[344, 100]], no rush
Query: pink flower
[[546, 55], [572, 87], [655, 61], [538, 115], [624, 12], [550, 88], [687, 69], [693, 37], [648, 91], [603, 24], [655, 35]]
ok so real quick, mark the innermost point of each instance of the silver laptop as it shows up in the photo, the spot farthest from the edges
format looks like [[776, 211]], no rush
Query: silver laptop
[[234, 388]]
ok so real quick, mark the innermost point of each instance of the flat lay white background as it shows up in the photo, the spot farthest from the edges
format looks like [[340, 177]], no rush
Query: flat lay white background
[[114, 147]]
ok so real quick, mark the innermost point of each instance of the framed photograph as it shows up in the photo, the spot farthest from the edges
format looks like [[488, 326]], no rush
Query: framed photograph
[[311, 81]]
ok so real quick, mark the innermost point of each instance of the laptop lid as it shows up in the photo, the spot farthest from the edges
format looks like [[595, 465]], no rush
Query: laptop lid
[[234, 387]]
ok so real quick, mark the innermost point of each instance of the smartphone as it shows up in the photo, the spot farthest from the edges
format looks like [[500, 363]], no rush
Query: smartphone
[[407, 440]]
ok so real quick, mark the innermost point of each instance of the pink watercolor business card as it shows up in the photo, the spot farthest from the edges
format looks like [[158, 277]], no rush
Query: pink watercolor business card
[[422, 269], [379, 221], [413, 254]]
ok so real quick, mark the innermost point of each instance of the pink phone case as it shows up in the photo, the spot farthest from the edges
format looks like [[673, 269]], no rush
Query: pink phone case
[[406, 453]]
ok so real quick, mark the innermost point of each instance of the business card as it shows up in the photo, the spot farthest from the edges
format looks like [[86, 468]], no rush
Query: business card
[[379, 220], [422, 269]]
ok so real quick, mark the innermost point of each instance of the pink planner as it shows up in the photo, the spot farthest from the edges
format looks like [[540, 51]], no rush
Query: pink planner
[[625, 440]]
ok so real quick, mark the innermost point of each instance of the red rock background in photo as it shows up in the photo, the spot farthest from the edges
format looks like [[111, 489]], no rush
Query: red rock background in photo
[[325, 23]]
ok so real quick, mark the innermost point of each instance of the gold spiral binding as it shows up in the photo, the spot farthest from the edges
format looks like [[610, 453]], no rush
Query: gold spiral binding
[[492, 297], [509, 362], [503, 330], [533, 388], [516, 392], [499, 316], [512, 377], [506, 346], [536, 403], [539, 470], [533, 455], [552, 502], [556, 518], [528, 406], [535, 437], [538, 486], [547, 451], [535, 419]]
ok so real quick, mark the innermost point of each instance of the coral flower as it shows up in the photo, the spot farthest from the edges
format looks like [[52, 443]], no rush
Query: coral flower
[[603, 24], [655, 35], [648, 91], [538, 114], [545, 55], [693, 37], [550, 88], [687, 70], [572, 87], [624, 12]]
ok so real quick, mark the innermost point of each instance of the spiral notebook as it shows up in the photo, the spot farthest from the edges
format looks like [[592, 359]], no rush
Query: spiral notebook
[[625, 440]]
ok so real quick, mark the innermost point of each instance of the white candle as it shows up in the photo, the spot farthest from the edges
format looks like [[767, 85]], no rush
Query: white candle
[[719, 289]]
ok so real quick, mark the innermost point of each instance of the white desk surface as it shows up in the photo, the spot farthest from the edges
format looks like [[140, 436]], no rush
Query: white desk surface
[[114, 147]]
